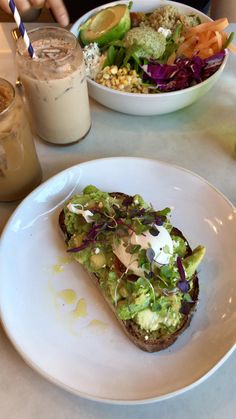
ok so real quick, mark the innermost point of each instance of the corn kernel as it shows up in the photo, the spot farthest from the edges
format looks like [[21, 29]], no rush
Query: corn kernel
[[114, 69]]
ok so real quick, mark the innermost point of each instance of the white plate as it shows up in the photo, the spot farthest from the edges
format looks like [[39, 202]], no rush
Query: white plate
[[89, 355]]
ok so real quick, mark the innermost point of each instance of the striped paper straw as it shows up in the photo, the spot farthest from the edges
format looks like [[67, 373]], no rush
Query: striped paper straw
[[21, 28]]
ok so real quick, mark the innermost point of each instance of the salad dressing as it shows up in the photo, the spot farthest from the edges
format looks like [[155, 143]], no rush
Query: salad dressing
[[98, 323], [80, 309], [68, 296], [57, 268], [60, 265]]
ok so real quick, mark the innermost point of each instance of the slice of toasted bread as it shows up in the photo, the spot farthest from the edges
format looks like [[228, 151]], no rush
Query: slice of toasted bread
[[148, 341]]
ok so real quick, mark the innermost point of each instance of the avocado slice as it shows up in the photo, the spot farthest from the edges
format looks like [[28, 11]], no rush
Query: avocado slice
[[107, 25], [191, 262]]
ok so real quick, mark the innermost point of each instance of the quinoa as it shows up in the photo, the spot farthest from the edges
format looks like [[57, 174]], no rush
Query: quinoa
[[169, 17]]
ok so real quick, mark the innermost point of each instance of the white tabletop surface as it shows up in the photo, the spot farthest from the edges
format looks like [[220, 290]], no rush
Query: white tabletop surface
[[201, 138]]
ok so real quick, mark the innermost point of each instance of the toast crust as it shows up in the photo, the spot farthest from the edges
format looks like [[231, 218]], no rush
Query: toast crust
[[147, 341]]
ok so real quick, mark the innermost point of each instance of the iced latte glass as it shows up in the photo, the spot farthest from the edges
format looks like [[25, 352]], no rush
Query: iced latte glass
[[20, 171], [55, 85]]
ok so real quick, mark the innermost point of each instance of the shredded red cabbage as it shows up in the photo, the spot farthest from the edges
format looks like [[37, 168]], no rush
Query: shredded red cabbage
[[185, 72]]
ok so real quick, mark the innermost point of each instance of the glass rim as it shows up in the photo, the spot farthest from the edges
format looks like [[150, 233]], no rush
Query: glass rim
[[7, 82], [21, 47]]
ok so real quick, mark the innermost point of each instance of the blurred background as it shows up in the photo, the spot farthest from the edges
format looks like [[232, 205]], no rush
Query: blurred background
[[39, 15]]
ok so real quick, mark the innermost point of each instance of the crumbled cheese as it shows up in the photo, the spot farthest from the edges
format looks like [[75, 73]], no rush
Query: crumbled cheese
[[93, 59], [164, 31], [85, 213], [97, 250]]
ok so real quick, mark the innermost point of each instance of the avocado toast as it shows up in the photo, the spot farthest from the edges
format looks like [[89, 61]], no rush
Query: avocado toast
[[143, 266]]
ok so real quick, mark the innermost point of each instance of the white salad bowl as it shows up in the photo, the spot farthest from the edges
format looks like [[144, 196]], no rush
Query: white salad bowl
[[149, 104]]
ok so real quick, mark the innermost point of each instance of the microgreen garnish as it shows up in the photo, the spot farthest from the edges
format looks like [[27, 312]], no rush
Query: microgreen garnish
[[128, 200], [90, 238], [166, 249], [123, 223], [133, 248], [149, 275], [156, 306], [183, 286], [180, 268], [79, 248], [187, 297], [150, 254], [136, 212], [154, 231], [144, 282]]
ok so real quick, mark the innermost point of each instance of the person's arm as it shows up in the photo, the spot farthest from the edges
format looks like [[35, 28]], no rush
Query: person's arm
[[57, 6], [220, 8]]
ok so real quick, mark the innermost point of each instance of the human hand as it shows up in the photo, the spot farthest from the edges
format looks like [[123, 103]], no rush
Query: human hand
[[57, 6]]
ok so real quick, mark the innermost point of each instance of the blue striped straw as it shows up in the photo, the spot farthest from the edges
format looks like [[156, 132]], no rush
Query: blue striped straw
[[21, 28]]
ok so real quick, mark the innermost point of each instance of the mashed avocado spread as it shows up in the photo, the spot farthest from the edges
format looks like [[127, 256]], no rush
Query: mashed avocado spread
[[124, 241]]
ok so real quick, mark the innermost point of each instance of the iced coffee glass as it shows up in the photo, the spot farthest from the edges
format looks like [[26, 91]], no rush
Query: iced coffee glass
[[55, 85], [20, 171]]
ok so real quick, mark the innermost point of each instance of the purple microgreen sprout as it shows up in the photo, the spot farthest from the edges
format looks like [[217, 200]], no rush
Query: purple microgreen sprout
[[183, 284], [150, 254], [159, 221], [149, 275], [90, 238], [180, 268], [154, 231], [121, 222], [128, 201], [136, 212], [79, 248]]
